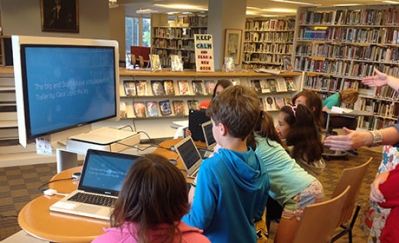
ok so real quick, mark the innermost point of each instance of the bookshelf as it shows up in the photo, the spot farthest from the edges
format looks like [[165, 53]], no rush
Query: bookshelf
[[268, 42], [178, 38], [336, 47]]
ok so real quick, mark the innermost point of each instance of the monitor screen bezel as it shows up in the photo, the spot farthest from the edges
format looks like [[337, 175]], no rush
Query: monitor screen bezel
[[25, 90]]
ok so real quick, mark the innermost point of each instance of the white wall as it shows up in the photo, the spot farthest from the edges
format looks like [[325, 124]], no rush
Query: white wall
[[22, 17]]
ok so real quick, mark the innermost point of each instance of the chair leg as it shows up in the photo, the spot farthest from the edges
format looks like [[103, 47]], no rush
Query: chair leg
[[347, 229]]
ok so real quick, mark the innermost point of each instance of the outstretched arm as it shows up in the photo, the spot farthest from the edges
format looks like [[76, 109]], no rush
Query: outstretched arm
[[381, 79]]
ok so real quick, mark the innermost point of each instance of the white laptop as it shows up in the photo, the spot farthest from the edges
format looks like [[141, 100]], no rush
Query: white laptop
[[190, 155], [208, 135], [102, 177]]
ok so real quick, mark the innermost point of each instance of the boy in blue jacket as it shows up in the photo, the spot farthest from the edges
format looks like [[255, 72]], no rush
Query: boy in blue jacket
[[232, 185]]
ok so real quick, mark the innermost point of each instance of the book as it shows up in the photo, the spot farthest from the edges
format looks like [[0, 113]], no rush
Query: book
[[209, 86], [122, 110], [169, 87], [152, 108], [141, 88], [130, 87], [280, 102], [270, 104], [129, 110], [198, 88], [157, 87], [164, 106], [272, 84], [256, 86], [281, 85], [193, 104], [139, 109], [183, 87], [265, 88], [178, 108]]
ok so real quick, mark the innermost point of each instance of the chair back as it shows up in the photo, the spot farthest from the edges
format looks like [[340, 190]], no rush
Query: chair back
[[352, 177], [319, 220]]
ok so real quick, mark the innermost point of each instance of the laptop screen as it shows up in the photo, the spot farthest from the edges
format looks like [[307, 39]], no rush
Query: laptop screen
[[207, 128], [188, 153], [104, 172]]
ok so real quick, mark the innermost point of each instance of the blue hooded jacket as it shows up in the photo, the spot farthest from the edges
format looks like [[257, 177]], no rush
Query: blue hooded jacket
[[231, 193]]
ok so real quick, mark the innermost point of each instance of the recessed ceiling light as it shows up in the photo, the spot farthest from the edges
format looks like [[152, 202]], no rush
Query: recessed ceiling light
[[346, 4], [279, 10], [251, 12], [391, 2], [295, 2], [181, 6]]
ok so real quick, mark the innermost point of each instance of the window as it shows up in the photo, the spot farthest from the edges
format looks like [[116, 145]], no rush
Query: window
[[137, 32]]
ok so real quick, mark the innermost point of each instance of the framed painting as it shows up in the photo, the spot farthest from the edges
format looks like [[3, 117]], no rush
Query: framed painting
[[232, 44], [60, 15]]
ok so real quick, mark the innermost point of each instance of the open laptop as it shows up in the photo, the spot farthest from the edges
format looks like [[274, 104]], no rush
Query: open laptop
[[208, 135], [102, 177], [190, 156]]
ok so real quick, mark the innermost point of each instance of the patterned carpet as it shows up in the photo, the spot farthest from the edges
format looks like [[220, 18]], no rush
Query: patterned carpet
[[19, 185]]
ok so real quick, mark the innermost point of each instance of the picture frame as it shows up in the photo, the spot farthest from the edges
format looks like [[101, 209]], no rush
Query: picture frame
[[60, 16], [232, 44]]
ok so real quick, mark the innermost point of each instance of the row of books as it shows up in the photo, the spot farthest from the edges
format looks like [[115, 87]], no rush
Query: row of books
[[157, 108], [369, 53], [378, 123], [271, 103], [175, 44], [189, 20], [184, 32], [269, 36], [268, 48], [386, 16], [168, 87], [351, 34], [270, 24], [188, 57], [265, 58], [254, 65], [273, 85], [343, 67], [385, 109]]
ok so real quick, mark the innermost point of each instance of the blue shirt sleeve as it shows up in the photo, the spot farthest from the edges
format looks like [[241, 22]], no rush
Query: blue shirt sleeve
[[205, 199], [332, 100]]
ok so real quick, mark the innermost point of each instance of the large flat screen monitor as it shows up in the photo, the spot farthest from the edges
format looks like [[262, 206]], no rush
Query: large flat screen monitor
[[63, 83]]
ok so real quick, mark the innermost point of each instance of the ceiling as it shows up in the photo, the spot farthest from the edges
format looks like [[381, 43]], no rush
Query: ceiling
[[254, 7]]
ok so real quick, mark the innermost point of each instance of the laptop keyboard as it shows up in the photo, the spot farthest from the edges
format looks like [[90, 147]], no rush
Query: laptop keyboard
[[92, 199]]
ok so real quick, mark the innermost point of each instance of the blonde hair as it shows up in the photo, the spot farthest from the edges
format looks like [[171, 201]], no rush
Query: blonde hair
[[349, 96]]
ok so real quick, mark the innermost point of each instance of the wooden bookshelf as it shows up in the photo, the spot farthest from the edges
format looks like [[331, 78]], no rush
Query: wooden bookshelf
[[178, 39], [337, 47], [268, 42]]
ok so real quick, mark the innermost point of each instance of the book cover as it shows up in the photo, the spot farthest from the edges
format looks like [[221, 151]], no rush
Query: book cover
[[169, 87], [141, 88], [279, 102], [256, 85], [152, 108], [157, 87], [183, 87], [281, 85], [209, 86], [193, 104], [122, 110], [164, 106], [272, 84], [139, 109], [270, 104], [129, 110], [264, 85], [178, 108], [198, 88], [130, 87]]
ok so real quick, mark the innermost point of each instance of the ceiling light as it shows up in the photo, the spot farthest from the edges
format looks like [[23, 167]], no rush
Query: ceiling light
[[172, 13], [113, 4], [146, 11], [279, 10], [254, 8], [391, 2], [270, 15], [295, 2], [181, 6], [346, 4], [251, 12]]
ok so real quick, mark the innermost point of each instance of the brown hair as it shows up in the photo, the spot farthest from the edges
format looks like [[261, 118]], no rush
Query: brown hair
[[303, 134], [264, 128], [237, 108], [314, 103], [224, 83], [349, 96], [154, 193]]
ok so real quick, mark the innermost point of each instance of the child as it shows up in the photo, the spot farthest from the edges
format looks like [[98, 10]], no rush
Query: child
[[290, 185], [231, 187], [312, 101], [150, 205], [347, 96], [296, 124], [219, 87]]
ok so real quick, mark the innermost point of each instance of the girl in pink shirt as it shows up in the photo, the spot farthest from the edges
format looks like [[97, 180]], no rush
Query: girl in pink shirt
[[150, 205]]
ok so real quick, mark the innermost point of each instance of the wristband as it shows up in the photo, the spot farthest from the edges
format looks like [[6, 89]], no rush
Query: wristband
[[377, 138]]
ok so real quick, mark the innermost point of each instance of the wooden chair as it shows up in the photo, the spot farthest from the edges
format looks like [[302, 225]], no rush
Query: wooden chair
[[320, 219], [352, 177]]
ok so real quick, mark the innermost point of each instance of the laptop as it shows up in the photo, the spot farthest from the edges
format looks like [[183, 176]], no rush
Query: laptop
[[190, 156], [102, 177], [195, 119], [208, 135]]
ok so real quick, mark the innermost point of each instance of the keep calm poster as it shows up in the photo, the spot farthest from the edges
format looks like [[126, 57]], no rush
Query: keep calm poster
[[204, 53]]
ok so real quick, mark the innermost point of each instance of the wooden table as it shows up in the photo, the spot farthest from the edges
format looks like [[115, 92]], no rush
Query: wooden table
[[36, 219]]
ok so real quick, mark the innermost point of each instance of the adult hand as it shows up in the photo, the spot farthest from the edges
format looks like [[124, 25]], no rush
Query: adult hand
[[378, 79], [350, 140], [375, 193]]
